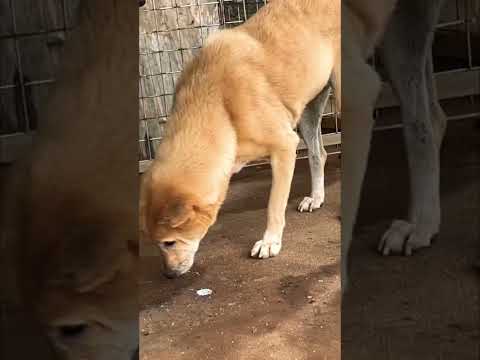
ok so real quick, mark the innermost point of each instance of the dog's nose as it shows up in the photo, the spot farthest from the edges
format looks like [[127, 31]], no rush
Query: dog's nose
[[170, 274], [135, 355], [141, 3]]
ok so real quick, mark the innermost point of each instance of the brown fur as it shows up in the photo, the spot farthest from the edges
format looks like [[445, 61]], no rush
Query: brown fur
[[74, 229], [238, 101]]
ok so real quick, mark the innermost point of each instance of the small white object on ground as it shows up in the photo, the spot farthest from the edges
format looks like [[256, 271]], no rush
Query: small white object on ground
[[204, 292]]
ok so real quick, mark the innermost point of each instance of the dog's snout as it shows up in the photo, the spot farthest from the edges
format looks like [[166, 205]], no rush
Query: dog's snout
[[141, 3], [170, 274]]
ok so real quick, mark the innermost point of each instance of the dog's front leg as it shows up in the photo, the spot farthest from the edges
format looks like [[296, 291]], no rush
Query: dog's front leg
[[407, 58], [283, 164], [357, 125]]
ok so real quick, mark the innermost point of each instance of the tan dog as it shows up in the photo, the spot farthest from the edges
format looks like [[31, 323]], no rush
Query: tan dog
[[239, 100], [71, 215]]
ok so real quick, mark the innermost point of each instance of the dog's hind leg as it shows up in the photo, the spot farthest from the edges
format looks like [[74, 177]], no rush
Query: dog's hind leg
[[407, 59], [311, 131]]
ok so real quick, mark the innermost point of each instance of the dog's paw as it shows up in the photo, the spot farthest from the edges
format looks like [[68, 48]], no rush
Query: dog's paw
[[263, 249], [403, 237], [308, 204]]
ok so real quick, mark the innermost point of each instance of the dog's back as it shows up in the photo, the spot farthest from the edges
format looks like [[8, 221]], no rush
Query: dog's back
[[278, 48]]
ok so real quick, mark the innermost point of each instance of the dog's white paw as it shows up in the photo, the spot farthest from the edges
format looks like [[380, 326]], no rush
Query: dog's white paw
[[308, 204], [267, 247], [403, 237]]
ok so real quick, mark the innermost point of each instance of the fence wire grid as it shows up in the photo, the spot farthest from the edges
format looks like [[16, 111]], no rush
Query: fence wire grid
[[31, 35], [171, 32]]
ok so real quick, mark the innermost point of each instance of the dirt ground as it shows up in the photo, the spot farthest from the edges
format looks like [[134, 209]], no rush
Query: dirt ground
[[425, 306], [421, 307], [284, 308]]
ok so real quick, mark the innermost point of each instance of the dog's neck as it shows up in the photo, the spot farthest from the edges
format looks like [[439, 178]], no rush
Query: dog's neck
[[198, 159]]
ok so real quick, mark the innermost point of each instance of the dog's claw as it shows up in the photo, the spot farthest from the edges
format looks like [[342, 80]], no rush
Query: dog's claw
[[309, 204], [264, 249], [402, 238]]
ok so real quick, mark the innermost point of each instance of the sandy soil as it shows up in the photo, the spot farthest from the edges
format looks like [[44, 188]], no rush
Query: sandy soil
[[284, 308]]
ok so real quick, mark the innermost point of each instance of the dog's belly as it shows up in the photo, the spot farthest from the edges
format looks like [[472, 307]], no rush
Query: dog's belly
[[248, 151]]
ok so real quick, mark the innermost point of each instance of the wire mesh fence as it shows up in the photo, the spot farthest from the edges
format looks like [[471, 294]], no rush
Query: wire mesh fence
[[171, 33], [31, 37]]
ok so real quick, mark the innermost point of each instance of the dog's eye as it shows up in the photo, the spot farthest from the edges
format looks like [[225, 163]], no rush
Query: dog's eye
[[72, 330], [168, 244]]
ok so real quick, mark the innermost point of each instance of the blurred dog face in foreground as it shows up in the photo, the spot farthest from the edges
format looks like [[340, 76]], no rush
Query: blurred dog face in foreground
[[73, 205]]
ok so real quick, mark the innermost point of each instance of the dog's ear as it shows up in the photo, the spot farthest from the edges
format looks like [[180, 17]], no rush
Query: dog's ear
[[179, 213]]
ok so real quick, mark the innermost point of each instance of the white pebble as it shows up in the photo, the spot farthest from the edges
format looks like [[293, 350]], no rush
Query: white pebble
[[204, 292]]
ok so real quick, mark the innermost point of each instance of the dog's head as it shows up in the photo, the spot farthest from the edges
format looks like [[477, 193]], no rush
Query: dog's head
[[93, 316], [175, 221], [81, 276]]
